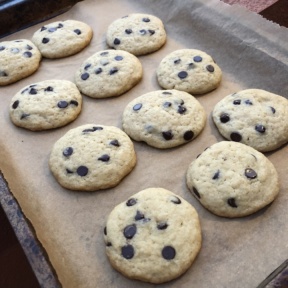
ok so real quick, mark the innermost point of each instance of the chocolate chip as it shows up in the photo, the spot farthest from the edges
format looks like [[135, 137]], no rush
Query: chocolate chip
[[272, 109], [93, 129], [139, 216], [82, 171], [3, 74], [69, 171], [116, 41], [118, 58], [15, 104], [109, 244], [176, 200], [177, 61], [250, 173], [167, 135], [49, 89], [237, 102], [216, 175], [131, 202], [127, 251], [15, 50], [137, 106], [235, 136], [162, 226], [24, 115], [62, 104], [104, 158], [248, 102], [210, 68], [105, 230], [43, 28], [142, 31], [167, 104], [196, 192], [166, 93], [67, 151], [74, 102], [188, 135], [87, 66], [45, 40], [33, 91], [260, 128], [224, 118], [52, 29], [182, 74], [85, 76], [2, 48], [60, 25], [190, 66], [231, 202], [113, 71], [181, 109], [27, 54], [146, 20], [104, 53], [115, 143], [130, 231], [77, 31], [168, 253], [197, 58], [151, 31], [29, 47], [128, 31], [98, 70]]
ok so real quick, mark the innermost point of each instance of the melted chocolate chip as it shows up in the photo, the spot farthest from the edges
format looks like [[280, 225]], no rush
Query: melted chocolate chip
[[166, 93], [113, 71], [139, 216], [177, 61], [85, 76], [190, 66], [195, 191], [87, 66], [272, 109], [128, 31], [250, 173], [162, 226], [69, 171], [2, 48], [93, 129], [115, 143], [131, 202], [15, 104], [248, 102], [82, 171], [197, 58], [210, 68], [77, 31], [137, 106], [60, 25], [24, 115], [142, 31], [232, 202], [45, 40], [109, 244], [33, 91], [43, 28], [216, 175], [48, 89], [3, 74], [105, 230], [52, 29], [67, 151], [62, 104], [181, 109], [168, 253], [188, 135], [151, 31], [167, 135], [104, 53], [167, 104], [182, 74], [116, 41], [127, 251], [29, 47], [74, 102], [224, 118], [237, 102], [98, 70], [118, 58], [104, 158], [176, 200], [235, 136], [260, 128], [27, 54], [130, 231], [146, 20]]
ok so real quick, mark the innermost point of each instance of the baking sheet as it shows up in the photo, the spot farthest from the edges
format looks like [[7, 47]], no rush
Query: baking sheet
[[235, 252]]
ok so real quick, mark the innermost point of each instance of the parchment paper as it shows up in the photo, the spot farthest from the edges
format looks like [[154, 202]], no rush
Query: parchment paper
[[236, 252]]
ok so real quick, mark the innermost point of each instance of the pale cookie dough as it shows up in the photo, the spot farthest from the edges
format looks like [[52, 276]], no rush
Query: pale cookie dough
[[164, 119], [232, 179], [18, 59], [136, 33], [62, 38], [154, 236], [254, 117], [46, 105], [92, 157], [189, 70], [108, 73]]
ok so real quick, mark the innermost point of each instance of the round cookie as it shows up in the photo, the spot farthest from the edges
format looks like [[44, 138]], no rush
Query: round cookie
[[189, 70], [62, 38], [108, 73], [136, 33], [92, 157], [254, 117], [154, 236], [18, 59], [231, 179], [46, 105], [164, 119]]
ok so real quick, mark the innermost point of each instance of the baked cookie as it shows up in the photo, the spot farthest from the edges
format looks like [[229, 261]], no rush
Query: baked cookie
[[189, 70], [136, 33], [232, 179], [62, 38], [164, 119], [254, 117], [46, 105], [18, 59], [108, 73], [92, 157], [154, 236]]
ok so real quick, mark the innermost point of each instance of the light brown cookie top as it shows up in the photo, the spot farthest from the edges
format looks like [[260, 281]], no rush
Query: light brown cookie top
[[18, 59], [45, 105], [254, 117], [136, 33], [164, 119], [62, 38], [189, 70], [231, 179], [108, 73], [154, 236], [92, 157]]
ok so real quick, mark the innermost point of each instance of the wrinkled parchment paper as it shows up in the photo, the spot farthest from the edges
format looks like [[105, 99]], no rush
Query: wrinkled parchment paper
[[236, 252]]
